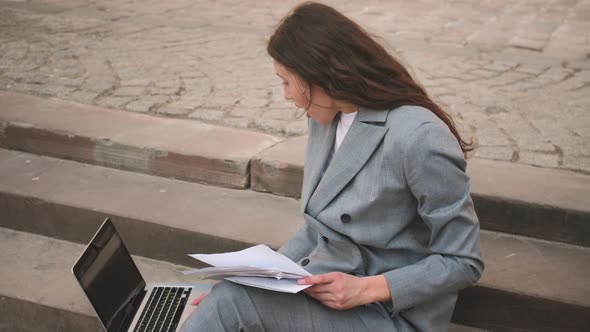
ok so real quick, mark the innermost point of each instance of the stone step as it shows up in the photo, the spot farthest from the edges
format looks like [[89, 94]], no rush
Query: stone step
[[527, 282], [39, 293], [543, 203], [68, 200], [174, 148]]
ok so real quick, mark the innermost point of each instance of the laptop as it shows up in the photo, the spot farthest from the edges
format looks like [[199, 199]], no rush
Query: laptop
[[119, 294]]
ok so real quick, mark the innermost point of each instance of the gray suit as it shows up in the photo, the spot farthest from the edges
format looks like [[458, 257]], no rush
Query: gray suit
[[393, 200]]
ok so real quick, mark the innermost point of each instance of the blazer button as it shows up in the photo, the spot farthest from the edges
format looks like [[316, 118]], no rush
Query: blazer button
[[345, 218], [305, 262]]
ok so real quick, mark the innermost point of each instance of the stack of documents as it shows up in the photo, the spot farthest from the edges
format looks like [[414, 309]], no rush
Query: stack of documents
[[257, 266], [244, 271]]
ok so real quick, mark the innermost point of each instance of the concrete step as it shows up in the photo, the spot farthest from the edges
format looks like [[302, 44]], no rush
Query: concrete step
[[527, 282], [543, 203], [39, 293], [68, 200], [175, 148]]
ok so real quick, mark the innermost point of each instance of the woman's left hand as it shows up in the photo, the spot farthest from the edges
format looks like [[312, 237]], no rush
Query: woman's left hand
[[336, 290]]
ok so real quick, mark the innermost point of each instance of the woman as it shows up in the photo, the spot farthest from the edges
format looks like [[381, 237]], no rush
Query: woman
[[390, 233]]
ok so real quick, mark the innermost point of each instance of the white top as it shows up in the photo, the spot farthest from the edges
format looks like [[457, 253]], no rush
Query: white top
[[344, 124]]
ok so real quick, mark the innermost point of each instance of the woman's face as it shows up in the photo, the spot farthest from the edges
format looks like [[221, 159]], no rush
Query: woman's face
[[320, 107]]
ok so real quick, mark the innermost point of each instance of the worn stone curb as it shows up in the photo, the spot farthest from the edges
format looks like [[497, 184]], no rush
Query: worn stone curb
[[543, 203], [45, 196], [279, 169], [181, 149], [54, 302]]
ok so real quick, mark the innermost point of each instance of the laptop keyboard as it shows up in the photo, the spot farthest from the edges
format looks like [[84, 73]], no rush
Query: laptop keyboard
[[163, 309]]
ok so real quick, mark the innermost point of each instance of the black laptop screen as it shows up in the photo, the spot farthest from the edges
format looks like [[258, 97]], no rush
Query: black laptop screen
[[109, 277]]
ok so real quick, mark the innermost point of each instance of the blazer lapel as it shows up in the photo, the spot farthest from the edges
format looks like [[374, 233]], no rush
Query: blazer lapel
[[318, 152], [356, 148]]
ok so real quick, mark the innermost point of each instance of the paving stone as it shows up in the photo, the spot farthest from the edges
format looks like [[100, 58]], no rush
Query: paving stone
[[484, 73], [246, 111], [146, 104], [298, 128], [163, 91], [98, 84], [136, 82], [253, 102], [531, 69], [540, 159], [239, 122], [127, 91], [55, 90], [84, 97], [275, 126], [70, 81], [224, 100], [175, 83], [495, 152], [578, 163], [114, 102], [492, 136], [281, 113], [188, 102], [207, 114], [506, 79], [527, 43]]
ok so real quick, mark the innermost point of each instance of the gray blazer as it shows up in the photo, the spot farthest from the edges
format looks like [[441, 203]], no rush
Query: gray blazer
[[393, 200]]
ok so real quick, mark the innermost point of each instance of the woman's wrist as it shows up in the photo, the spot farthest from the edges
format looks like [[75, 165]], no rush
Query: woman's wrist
[[375, 289]]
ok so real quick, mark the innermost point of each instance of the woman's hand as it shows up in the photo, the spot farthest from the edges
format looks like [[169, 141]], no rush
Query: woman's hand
[[341, 291]]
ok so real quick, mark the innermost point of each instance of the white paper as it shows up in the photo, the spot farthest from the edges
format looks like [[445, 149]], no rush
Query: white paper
[[243, 271], [282, 285], [261, 259]]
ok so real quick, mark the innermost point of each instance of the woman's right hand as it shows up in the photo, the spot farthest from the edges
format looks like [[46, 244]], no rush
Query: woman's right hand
[[198, 300]]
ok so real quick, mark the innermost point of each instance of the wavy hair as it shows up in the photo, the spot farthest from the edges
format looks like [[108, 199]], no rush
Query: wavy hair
[[327, 49]]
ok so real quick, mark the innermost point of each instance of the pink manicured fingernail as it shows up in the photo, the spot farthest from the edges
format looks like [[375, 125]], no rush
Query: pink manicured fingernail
[[301, 282]]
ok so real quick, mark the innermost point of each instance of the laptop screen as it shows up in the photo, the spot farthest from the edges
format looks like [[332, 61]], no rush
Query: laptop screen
[[109, 277]]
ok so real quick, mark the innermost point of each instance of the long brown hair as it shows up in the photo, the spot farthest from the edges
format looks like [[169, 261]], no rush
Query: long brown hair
[[329, 50]]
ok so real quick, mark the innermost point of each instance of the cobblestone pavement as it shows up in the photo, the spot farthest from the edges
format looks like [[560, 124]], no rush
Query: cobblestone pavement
[[515, 74]]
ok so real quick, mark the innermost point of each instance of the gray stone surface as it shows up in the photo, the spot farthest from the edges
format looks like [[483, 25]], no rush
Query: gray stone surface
[[187, 150], [279, 169], [213, 216], [34, 294], [515, 74], [206, 219], [45, 264]]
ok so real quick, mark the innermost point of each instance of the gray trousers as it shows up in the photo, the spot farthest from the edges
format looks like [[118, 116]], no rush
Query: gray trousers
[[232, 307]]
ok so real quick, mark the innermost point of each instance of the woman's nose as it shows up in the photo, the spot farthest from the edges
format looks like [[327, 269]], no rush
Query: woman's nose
[[287, 95]]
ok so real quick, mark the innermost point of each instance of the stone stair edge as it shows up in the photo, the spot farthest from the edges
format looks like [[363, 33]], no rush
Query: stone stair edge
[[77, 309], [35, 207], [489, 177], [51, 297], [281, 153], [141, 242], [35, 311], [188, 150], [276, 166], [69, 200]]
